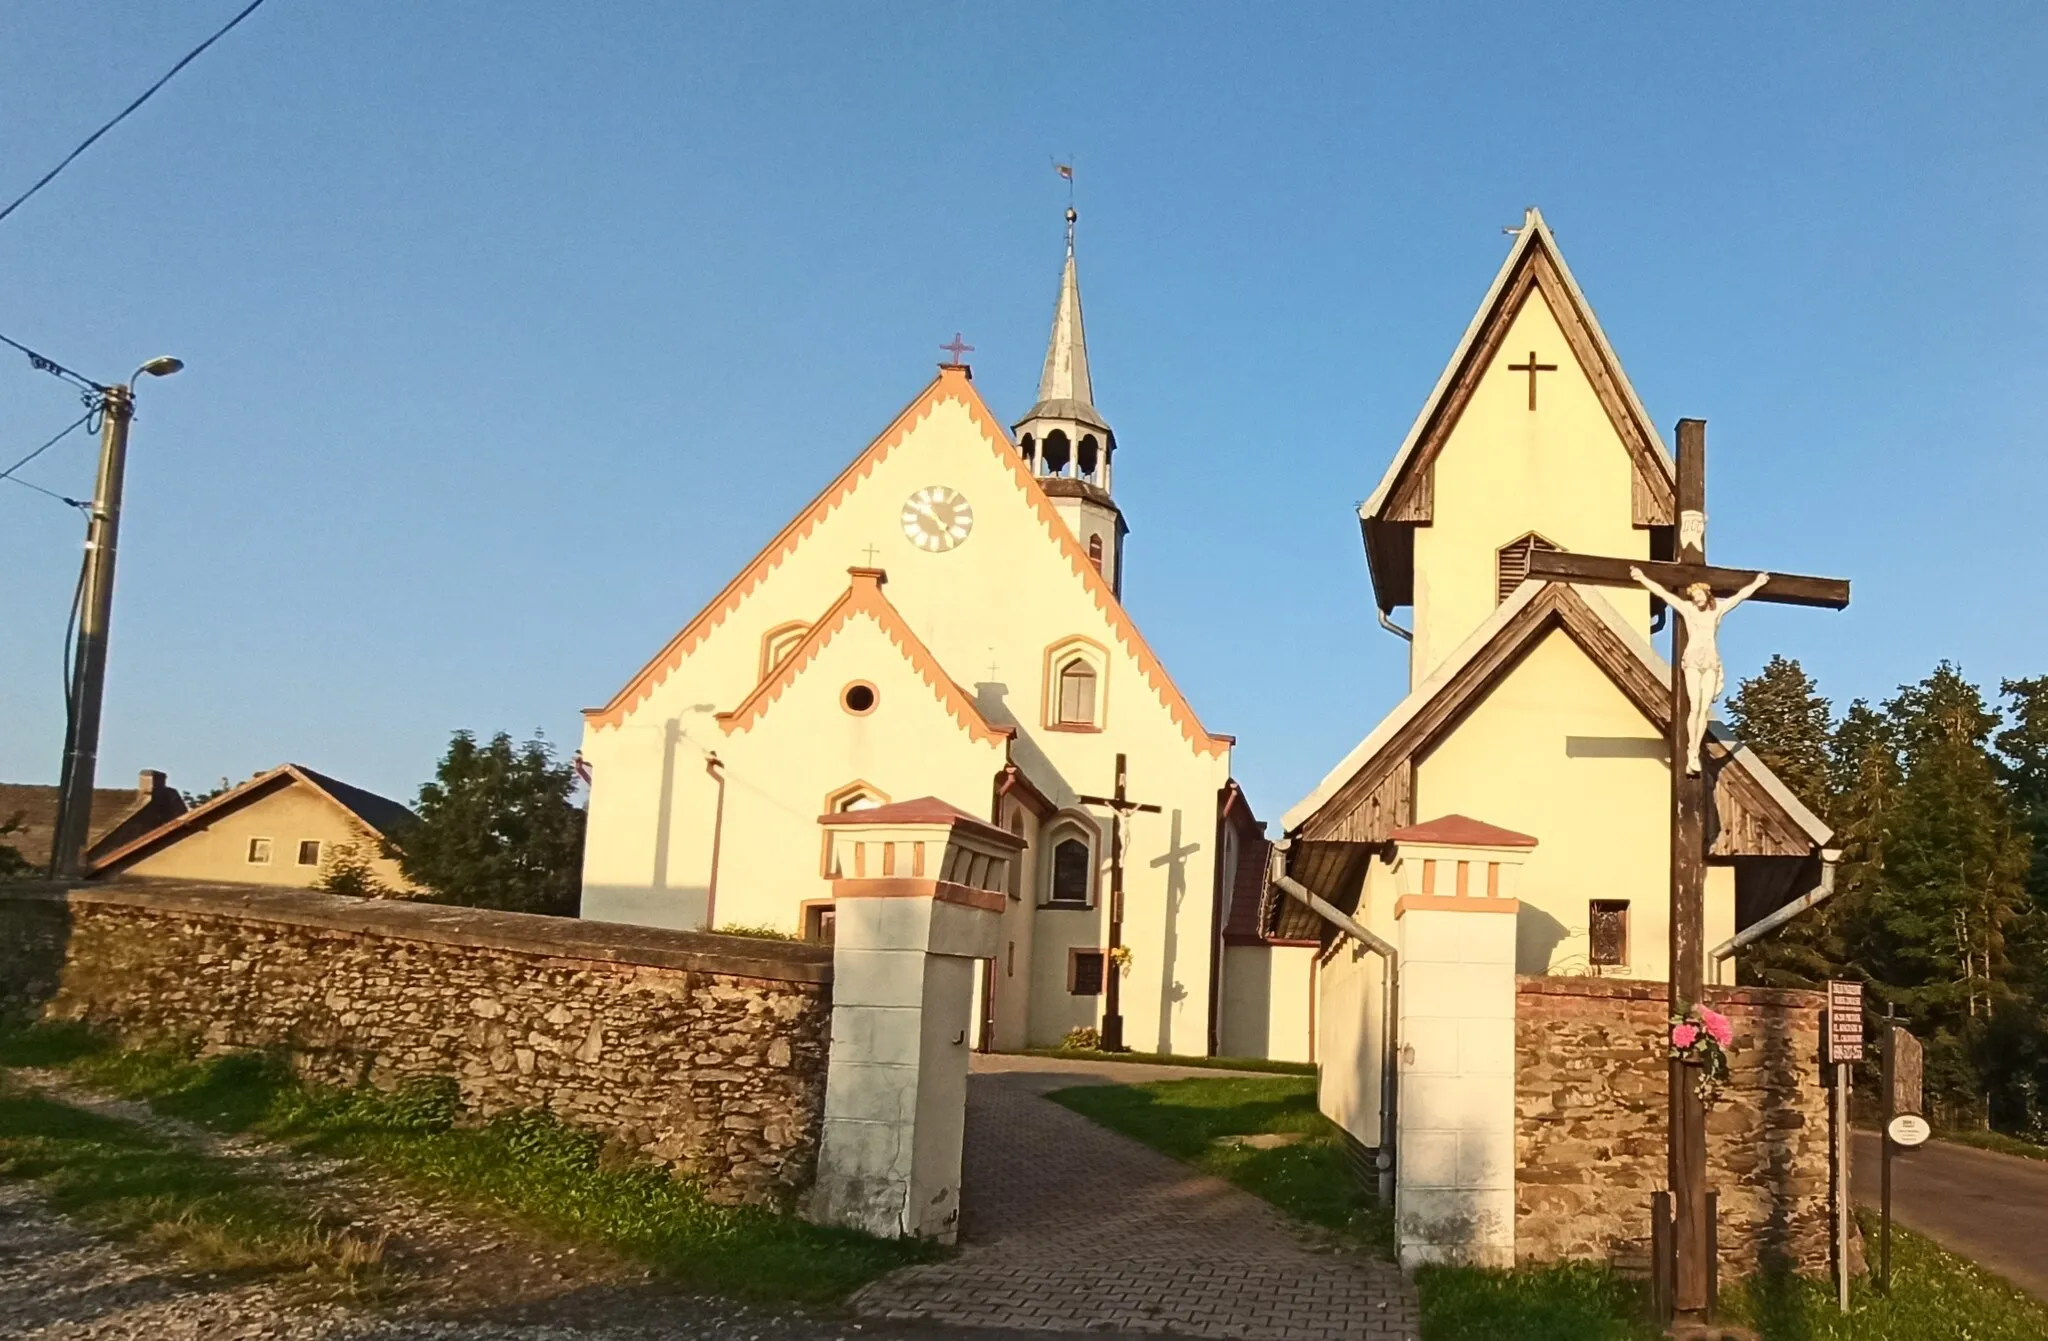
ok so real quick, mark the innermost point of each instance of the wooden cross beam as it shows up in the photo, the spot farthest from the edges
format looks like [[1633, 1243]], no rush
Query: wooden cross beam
[[1532, 367], [1691, 794], [1119, 804]]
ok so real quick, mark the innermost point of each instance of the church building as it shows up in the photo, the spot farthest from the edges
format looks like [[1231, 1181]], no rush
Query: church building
[[944, 624], [1531, 742]]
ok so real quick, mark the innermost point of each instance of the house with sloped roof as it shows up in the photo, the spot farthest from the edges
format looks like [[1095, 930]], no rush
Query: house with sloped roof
[[282, 827], [118, 815]]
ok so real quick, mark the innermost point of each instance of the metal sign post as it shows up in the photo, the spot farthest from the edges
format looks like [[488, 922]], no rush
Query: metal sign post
[[1845, 1049]]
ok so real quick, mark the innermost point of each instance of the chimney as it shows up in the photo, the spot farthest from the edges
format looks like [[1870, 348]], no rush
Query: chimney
[[150, 784]]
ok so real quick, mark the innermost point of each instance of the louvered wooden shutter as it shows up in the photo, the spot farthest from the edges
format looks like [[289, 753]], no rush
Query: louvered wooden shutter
[[1512, 564]]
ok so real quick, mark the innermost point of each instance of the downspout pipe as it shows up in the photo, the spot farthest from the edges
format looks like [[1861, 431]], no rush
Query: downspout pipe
[[1830, 860], [1390, 998], [1405, 635]]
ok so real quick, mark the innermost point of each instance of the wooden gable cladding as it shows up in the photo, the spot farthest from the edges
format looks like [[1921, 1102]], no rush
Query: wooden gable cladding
[[1380, 796], [1412, 498], [1751, 823]]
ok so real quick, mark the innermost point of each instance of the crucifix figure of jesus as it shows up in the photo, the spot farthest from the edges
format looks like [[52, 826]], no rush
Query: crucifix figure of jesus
[[1119, 804], [1701, 612], [1710, 593]]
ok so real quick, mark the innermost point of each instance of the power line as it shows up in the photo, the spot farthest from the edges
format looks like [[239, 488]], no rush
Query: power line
[[44, 363], [62, 434], [147, 94]]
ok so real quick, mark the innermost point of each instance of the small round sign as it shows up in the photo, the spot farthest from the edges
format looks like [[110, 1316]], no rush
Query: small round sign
[[1909, 1130]]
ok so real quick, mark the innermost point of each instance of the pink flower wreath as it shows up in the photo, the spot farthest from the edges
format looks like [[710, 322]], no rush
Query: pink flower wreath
[[1699, 1038]]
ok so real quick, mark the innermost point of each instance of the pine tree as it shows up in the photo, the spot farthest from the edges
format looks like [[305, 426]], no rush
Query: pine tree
[[1780, 715], [2017, 1043], [1950, 867]]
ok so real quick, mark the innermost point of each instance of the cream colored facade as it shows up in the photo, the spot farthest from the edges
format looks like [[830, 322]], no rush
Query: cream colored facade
[[1537, 709], [277, 829], [712, 766], [1269, 1002]]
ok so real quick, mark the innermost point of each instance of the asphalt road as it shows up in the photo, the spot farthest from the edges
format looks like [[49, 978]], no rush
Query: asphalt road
[[1990, 1208]]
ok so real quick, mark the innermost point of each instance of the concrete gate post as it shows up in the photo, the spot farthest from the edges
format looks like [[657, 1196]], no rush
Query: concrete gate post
[[1454, 1194], [917, 900]]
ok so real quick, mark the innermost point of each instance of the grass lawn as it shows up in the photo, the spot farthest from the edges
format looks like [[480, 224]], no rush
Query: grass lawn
[[550, 1176], [1312, 1179], [1174, 1059], [116, 1177], [1936, 1295]]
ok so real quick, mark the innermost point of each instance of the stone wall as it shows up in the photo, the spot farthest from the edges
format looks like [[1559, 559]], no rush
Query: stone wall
[[1590, 1120], [704, 1052]]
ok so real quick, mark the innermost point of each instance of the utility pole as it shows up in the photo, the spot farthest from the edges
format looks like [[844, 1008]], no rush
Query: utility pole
[[89, 668]]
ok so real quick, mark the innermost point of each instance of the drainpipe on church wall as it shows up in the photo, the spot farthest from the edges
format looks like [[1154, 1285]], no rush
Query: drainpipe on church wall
[[1389, 997], [1830, 858], [716, 768]]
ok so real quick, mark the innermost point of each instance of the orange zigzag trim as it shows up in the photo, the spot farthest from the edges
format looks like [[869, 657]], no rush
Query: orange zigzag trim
[[865, 597], [951, 384]]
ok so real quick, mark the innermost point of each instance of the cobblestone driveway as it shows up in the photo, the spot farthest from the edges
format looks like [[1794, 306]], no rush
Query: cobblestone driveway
[[1070, 1227]]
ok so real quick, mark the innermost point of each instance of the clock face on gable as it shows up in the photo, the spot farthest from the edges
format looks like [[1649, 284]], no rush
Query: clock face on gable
[[937, 518]]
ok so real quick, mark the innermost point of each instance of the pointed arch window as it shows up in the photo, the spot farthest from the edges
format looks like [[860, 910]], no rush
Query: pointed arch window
[[1511, 563], [1068, 881], [855, 795], [1076, 672]]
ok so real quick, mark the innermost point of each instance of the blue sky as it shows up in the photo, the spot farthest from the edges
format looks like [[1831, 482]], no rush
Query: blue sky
[[515, 329]]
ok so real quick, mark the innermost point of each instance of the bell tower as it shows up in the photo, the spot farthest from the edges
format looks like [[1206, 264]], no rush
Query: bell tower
[[1065, 440]]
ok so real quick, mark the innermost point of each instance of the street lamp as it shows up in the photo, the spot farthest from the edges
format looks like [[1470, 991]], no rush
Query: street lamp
[[89, 669]]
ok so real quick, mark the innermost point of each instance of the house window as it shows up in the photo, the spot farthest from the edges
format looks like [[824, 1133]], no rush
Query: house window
[[309, 852], [1511, 564], [1077, 694], [1073, 870], [1084, 972], [1095, 551], [259, 852], [1608, 920]]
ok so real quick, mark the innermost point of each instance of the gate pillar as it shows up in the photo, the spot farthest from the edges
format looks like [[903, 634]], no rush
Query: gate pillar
[[917, 901]]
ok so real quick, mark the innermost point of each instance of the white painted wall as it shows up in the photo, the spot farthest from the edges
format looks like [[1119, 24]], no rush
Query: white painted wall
[[1269, 1002], [1454, 1198]]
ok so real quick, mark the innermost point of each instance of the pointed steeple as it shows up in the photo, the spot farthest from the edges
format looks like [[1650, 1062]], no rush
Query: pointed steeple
[[1066, 442], [1065, 390]]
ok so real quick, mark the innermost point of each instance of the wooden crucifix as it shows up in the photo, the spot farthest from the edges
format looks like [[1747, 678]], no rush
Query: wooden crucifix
[[1119, 805], [1709, 592]]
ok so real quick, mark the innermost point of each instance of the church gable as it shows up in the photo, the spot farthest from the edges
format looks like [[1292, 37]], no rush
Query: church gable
[[1373, 791], [1534, 345], [953, 590], [863, 602]]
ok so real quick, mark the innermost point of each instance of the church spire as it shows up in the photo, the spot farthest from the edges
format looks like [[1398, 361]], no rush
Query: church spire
[[1065, 389], [1064, 439]]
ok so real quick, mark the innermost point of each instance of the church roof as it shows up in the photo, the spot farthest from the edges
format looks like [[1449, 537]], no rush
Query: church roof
[[1065, 389], [1369, 796], [952, 384], [864, 597], [1404, 499]]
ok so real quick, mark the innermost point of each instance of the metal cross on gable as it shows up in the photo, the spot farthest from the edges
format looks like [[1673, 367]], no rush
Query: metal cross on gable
[[1532, 367], [957, 348], [1119, 804]]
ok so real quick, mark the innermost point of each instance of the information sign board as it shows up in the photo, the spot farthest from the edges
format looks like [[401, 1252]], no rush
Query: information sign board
[[1845, 1022]]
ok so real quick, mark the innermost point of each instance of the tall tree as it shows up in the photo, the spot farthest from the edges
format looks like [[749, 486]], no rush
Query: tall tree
[[2023, 761], [2017, 1045], [1780, 714], [497, 829]]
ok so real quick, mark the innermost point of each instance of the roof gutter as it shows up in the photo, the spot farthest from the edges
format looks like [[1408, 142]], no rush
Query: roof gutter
[[1830, 860], [1276, 871]]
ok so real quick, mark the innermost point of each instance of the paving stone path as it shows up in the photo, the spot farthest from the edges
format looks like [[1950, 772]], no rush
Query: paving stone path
[[1069, 1227]]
